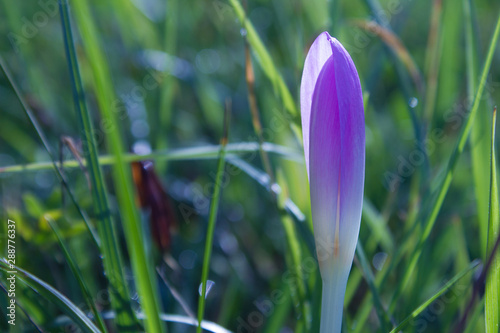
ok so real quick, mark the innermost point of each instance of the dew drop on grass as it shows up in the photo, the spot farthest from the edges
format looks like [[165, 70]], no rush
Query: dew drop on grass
[[413, 102], [243, 32], [276, 188], [210, 285]]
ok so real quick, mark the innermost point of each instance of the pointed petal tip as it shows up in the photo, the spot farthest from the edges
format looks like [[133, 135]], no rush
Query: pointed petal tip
[[319, 52]]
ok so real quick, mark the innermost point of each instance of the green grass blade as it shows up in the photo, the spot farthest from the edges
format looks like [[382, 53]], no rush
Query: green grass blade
[[25, 312], [279, 316], [113, 262], [369, 278], [212, 218], [51, 294], [440, 292], [77, 274], [442, 190], [266, 62], [122, 176], [294, 251], [492, 296], [181, 154], [480, 133], [167, 317]]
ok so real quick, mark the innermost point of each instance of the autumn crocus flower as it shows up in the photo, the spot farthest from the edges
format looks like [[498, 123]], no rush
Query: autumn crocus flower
[[334, 144]]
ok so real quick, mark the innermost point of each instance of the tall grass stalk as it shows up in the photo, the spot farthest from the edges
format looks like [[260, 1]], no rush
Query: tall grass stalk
[[122, 177], [492, 294], [113, 262], [212, 217]]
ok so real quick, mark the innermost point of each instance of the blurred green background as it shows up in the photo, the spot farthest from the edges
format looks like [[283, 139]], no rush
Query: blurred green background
[[172, 65]]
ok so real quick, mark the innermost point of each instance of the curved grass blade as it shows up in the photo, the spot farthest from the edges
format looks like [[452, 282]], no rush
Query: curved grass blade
[[492, 295], [122, 176], [397, 46], [181, 154], [113, 262], [173, 318], [32, 322], [54, 296], [53, 164], [440, 292], [440, 194], [76, 272], [214, 206]]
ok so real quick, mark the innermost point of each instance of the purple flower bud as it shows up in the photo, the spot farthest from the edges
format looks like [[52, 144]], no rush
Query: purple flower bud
[[334, 145]]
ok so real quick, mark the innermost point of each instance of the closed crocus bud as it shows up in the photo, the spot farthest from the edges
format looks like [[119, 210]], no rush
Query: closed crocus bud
[[334, 145]]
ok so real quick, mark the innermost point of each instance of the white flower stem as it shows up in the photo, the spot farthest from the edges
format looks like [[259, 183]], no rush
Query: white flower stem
[[332, 304]]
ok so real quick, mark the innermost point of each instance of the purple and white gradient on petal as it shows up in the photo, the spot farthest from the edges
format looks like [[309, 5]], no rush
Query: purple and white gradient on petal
[[334, 145]]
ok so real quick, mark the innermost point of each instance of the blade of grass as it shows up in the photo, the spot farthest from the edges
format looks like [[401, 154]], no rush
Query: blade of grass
[[32, 322], [113, 261], [479, 284], [294, 251], [77, 274], [122, 177], [51, 294], [173, 318], [492, 295], [181, 154], [175, 294], [212, 217], [268, 66], [473, 265], [280, 314], [395, 45], [480, 143], [254, 110], [438, 198]]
